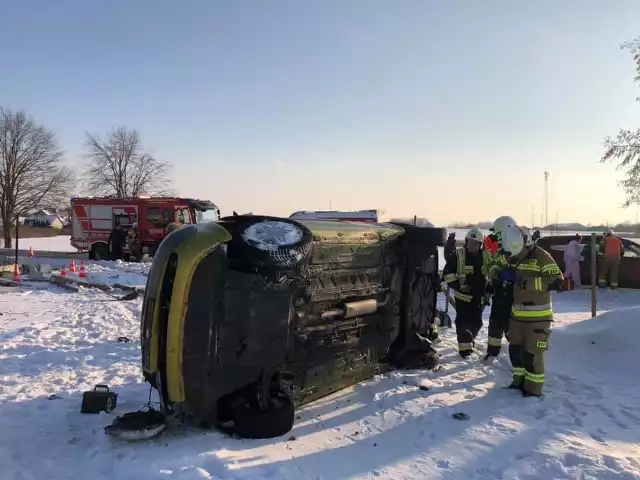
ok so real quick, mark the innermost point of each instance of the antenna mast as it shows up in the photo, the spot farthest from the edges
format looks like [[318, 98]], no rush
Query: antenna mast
[[533, 216], [545, 199]]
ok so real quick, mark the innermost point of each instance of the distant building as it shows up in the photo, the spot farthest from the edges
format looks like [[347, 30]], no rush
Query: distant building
[[44, 219]]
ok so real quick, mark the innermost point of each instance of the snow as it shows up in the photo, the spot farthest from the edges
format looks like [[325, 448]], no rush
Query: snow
[[114, 273], [60, 243], [585, 427]]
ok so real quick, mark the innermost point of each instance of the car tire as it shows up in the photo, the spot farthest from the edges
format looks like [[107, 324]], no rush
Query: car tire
[[271, 241], [428, 236], [275, 421]]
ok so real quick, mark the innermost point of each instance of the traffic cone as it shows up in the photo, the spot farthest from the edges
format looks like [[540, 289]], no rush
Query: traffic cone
[[16, 274], [83, 270], [31, 252], [63, 272], [73, 268]]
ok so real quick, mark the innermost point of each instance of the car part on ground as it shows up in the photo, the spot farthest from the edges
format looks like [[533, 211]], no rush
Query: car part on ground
[[140, 425], [246, 319]]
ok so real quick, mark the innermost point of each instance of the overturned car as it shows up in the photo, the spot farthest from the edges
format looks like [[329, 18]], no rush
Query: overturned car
[[250, 317]]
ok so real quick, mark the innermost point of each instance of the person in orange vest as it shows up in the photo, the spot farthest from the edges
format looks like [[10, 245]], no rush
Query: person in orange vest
[[612, 250]]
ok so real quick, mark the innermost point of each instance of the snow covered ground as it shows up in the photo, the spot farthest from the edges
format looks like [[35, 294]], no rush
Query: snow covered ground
[[60, 243], [587, 426]]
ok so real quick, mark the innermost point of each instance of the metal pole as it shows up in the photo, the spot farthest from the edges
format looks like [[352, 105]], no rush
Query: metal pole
[[594, 280], [17, 236], [415, 220]]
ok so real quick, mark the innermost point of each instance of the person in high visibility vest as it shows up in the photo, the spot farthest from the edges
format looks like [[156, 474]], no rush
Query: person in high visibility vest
[[612, 250], [500, 293], [533, 274], [464, 273]]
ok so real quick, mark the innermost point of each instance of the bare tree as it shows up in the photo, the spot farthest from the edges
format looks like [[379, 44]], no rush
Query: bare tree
[[119, 165], [31, 171], [625, 148]]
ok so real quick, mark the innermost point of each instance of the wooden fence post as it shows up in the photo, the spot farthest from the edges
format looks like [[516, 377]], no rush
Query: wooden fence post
[[594, 279]]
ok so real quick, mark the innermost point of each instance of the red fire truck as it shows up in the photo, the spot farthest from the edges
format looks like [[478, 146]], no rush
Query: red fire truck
[[93, 218]]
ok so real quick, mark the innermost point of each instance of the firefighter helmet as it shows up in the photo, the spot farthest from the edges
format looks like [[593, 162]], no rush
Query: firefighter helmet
[[512, 241], [502, 223], [474, 234]]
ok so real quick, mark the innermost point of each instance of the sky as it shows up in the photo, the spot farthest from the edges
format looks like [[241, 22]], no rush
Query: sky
[[445, 109]]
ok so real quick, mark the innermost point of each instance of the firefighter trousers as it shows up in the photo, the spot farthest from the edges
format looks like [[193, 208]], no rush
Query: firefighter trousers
[[608, 271], [498, 326], [468, 324], [528, 340]]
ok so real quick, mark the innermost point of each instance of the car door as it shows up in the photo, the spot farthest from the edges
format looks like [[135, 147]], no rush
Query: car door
[[629, 270]]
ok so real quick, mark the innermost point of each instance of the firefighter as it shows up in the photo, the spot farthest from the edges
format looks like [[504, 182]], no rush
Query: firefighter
[[534, 274], [133, 241], [450, 245], [501, 294], [464, 273], [117, 240], [613, 250]]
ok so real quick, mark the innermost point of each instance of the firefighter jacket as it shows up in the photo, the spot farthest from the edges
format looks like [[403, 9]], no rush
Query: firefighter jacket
[[501, 293], [464, 273], [493, 263], [538, 273], [611, 247]]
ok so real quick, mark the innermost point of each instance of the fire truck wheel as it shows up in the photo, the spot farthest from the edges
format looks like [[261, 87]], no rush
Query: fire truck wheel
[[99, 251]]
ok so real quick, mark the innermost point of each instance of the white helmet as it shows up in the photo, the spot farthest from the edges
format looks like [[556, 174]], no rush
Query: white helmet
[[609, 231], [512, 240], [502, 223], [474, 234]]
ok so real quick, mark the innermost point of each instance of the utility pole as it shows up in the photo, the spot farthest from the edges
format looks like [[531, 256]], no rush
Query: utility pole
[[545, 198], [533, 216]]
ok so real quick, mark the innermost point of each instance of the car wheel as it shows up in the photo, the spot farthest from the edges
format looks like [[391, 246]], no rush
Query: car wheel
[[276, 420], [276, 241]]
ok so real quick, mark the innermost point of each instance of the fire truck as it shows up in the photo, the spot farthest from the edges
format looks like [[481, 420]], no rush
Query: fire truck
[[93, 218], [357, 216]]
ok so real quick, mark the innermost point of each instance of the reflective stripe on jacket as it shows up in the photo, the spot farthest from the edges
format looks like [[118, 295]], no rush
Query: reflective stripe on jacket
[[531, 297], [456, 274]]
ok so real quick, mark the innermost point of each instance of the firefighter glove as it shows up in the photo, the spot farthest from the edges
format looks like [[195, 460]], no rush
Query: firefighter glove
[[508, 275]]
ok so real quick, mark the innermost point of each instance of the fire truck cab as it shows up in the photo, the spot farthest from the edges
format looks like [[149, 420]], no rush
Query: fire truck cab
[[93, 218]]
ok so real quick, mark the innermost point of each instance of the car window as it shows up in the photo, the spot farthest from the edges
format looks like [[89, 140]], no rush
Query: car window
[[631, 251], [159, 216], [560, 247], [154, 215], [183, 216]]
